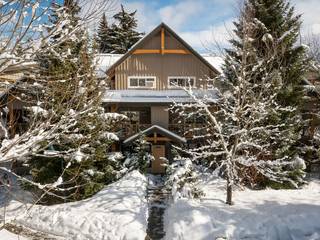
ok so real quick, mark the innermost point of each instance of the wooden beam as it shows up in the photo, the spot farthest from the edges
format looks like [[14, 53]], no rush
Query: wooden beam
[[162, 41], [158, 139], [175, 51], [160, 51], [114, 108], [155, 137], [113, 147], [147, 51]]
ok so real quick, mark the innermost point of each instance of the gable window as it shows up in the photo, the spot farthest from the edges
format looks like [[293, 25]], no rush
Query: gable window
[[176, 82], [142, 82]]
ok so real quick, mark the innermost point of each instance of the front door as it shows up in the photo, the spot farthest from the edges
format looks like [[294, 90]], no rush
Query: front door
[[158, 152]]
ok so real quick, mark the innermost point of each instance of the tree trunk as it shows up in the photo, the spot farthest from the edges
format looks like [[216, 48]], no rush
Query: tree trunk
[[229, 192]]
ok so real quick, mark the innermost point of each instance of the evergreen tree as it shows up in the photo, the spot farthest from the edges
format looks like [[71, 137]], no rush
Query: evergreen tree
[[249, 135], [78, 155], [103, 36], [276, 35], [139, 157], [280, 28], [123, 34]]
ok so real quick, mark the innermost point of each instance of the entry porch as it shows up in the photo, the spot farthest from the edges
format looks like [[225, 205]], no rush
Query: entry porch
[[161, 140]]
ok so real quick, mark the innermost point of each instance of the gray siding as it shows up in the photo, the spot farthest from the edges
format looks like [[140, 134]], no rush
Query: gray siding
[[160, 116], [161, 66]]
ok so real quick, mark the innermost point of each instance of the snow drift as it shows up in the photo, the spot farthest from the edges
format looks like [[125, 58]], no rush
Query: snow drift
[[119, 211], [256, 215]]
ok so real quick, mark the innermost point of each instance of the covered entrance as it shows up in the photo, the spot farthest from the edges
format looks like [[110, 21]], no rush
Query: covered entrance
[[161, 139]]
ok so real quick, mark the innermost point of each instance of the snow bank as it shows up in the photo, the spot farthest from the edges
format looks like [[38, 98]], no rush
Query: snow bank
[[119, 211], [265, 215], [6, 235]]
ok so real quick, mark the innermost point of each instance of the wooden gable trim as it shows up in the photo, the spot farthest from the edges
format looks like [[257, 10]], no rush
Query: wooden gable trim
[[163, 26], [162, 40], [162, 51], [147, 51], [176, 51]]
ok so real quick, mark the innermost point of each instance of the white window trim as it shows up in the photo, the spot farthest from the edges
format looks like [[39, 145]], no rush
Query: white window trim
[[142, 77], [177, 87]]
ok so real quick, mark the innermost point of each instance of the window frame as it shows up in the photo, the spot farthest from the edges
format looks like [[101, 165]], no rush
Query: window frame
[[188, 78], [142, 77]]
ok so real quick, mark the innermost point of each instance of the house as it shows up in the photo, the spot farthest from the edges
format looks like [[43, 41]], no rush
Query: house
[[12, 111], [145, 81]]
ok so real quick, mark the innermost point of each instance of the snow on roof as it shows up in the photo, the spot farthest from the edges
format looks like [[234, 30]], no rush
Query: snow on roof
[[215, 61], [158, 129], [151, 96], [105, 61]]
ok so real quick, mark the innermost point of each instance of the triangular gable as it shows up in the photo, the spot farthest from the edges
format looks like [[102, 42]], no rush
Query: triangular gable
[[159, 130], [140, 46]]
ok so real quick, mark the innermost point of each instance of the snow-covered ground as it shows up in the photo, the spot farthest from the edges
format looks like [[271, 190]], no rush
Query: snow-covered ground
[[256, 215], [119, 211], [6, 235]]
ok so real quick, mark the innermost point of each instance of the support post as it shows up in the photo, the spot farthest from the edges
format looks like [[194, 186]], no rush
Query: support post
[[162, 41]]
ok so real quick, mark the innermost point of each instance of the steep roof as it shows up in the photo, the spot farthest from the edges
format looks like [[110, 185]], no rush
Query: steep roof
[[153, 33]]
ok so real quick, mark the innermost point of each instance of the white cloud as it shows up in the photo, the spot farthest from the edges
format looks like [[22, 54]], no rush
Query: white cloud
[[203, 22], [177, 15], [147, 19], [209, 39], [310, 14]]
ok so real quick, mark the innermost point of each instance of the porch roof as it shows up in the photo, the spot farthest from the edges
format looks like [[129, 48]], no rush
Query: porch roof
[[156, 129], [156, 96]]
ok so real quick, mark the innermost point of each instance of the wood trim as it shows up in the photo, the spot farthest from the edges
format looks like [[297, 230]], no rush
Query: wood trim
[[161, 51], [158, 139], [147, 51], [176, 51], [114, 108], [155, 137], [162, 40]]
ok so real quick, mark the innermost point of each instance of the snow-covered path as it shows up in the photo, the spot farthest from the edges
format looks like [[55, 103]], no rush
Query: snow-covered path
[[119, 211], [256, 215]]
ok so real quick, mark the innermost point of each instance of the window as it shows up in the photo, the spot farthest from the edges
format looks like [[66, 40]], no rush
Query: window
[[176, 82], [141, 82]]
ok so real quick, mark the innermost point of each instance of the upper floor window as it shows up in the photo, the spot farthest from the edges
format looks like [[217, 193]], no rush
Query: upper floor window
[[176, 82], [142, 82]]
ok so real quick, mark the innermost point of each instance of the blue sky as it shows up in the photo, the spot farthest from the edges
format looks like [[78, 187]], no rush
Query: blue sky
[[202, 22]]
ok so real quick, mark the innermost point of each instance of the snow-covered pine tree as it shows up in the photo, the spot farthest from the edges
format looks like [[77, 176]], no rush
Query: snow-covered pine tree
[[69, 134], [280, 28], [123, 34], [140, 157], [243, 136], [78, 154], [182, 178], [279, 19], [103, 37]]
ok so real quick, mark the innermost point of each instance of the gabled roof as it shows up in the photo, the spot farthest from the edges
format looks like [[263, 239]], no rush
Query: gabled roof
[[150, 35], [159, 130]]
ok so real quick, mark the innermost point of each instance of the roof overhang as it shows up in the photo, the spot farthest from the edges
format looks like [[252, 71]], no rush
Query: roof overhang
[[162, 96], [159, 130]]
